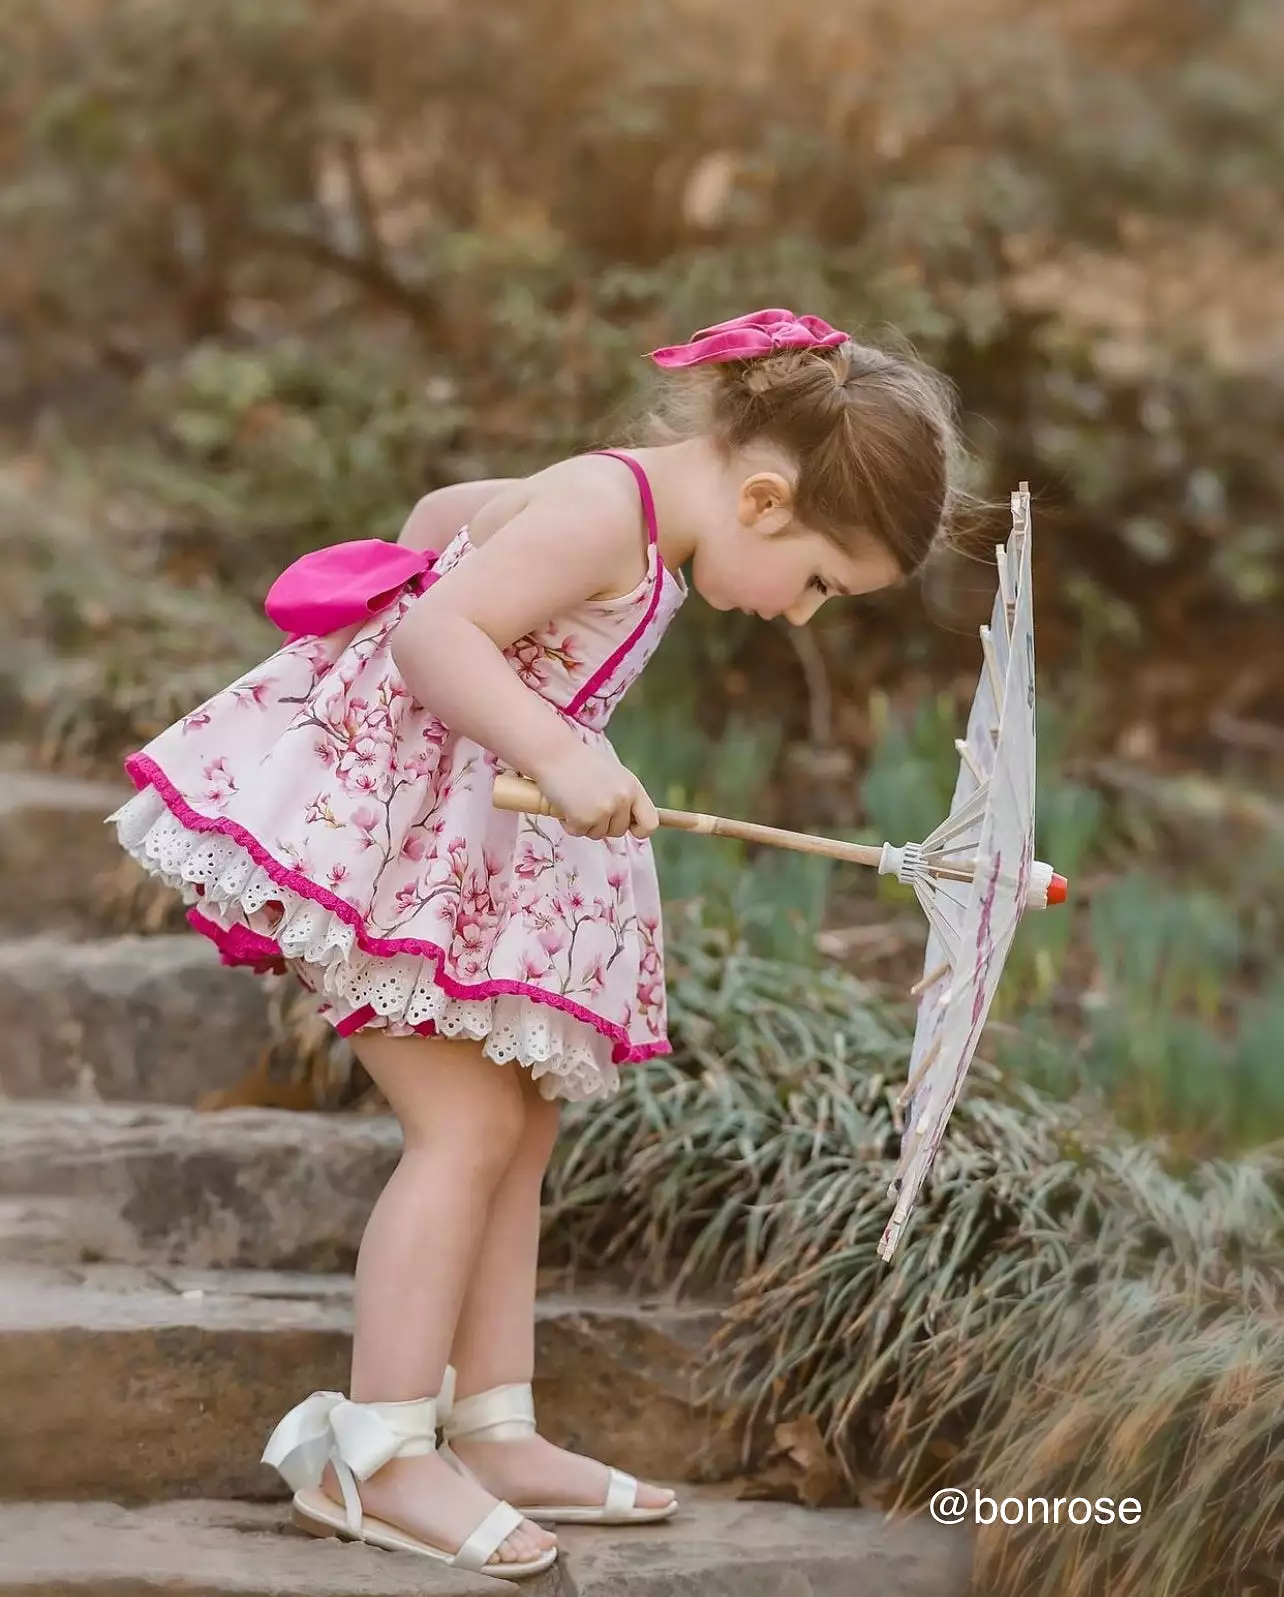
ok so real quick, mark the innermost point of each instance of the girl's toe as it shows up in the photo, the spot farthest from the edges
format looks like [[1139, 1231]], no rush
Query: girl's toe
[[535, 1539], [654, 1497], [527, 1542], [512, 1550]]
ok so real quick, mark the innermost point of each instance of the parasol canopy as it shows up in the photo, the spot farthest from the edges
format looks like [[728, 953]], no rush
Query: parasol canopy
[[976, 875]]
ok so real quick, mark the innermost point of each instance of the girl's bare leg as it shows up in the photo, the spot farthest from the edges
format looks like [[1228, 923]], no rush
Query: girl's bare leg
[[495, 1339], [462, 1119]]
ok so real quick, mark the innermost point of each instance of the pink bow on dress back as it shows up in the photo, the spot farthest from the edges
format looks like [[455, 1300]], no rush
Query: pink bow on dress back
[[343, 585], [748, 337]]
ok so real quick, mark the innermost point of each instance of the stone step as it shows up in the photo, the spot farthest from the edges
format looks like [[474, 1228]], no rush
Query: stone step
[[34, 1230], [55, 851], [717, 1547], [147, 1019], [134, 1384], [245, 1188]]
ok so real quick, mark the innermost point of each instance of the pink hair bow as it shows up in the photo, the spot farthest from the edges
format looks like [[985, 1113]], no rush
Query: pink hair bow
[[747, 337]]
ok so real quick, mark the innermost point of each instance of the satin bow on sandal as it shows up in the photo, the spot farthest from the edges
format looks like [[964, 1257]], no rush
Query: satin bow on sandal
[[507, 1414], [356, 1439]]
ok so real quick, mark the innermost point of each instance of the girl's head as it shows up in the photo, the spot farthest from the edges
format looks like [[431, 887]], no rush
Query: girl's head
[[838, 461]]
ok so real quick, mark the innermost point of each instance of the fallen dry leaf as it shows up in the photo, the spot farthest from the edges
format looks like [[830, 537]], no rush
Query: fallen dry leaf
[[807, 1474]]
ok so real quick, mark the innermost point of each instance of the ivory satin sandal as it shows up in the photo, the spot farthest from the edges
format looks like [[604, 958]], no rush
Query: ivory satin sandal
[[357, 1439], [507, 1414]]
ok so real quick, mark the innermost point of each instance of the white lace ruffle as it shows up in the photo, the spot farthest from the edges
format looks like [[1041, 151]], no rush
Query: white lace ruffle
[[568, 1057]]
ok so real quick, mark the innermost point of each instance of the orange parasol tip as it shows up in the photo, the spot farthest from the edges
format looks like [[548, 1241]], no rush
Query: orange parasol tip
[[1058, 888]]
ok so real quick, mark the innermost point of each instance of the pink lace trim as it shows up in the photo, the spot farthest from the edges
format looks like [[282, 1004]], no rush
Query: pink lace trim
[[144, 772]]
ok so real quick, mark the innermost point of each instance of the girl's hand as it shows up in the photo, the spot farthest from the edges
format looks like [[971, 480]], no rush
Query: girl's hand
[[596, 796]]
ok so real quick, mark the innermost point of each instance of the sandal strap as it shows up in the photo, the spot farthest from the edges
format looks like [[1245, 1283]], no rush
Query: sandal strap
[[446, 1397], [504, 1414], [356, 1438], [621, 1492], [370, 1434], [488, 1538]]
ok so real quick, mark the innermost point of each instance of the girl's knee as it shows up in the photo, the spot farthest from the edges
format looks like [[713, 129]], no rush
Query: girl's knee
[[498, 1130], [480, 1129]]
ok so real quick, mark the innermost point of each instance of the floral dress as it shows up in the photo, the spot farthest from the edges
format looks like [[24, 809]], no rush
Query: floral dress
[[318, 819]]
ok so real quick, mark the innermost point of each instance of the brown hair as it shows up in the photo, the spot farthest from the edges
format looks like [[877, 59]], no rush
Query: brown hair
[[872, 433]]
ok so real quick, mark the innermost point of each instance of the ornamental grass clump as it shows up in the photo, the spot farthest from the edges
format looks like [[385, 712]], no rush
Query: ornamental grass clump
[[1068, 1315]]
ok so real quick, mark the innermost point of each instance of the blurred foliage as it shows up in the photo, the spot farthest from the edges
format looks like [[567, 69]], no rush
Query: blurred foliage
[[336, 254], [775, 901], [1168, 1038]]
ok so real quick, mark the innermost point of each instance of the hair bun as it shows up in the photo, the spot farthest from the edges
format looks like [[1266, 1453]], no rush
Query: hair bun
[[804, 380]]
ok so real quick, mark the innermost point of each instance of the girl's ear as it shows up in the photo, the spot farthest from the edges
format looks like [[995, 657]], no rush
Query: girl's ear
[[766, 502]]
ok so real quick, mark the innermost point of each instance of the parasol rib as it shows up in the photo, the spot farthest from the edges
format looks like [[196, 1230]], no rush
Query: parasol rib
[[992, 671], [969, 759]]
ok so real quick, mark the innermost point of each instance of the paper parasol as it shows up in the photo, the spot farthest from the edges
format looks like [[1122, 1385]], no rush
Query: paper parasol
[[988, 838]]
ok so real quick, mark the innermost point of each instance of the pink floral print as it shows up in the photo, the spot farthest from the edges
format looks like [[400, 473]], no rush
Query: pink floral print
[[324, 758]]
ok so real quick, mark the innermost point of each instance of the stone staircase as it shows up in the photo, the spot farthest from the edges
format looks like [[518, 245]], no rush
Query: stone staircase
[[171, 1282]]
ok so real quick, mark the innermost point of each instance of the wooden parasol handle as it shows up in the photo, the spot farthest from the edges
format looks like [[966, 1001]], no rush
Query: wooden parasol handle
[[518, 796]]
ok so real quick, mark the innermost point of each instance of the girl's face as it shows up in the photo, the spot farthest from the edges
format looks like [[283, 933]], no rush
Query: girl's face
[[767, 564]]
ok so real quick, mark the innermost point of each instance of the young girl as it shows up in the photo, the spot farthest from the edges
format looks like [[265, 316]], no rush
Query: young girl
[[330, 813]]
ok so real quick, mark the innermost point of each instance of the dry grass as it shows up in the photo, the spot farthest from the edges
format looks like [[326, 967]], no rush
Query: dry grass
[[1174, 1401]]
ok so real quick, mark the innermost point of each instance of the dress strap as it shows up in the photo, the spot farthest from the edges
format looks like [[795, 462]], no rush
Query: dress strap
[[644, 489], [608, 667]]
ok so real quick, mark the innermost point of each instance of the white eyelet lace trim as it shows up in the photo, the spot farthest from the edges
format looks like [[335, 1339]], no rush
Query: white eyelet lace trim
[[568, 1057]]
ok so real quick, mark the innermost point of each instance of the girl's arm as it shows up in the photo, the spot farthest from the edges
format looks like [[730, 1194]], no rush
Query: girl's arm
[[439, 515], [560, 549]]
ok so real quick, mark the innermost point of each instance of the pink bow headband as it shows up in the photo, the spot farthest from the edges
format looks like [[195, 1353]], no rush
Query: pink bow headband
[[748, 337]]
